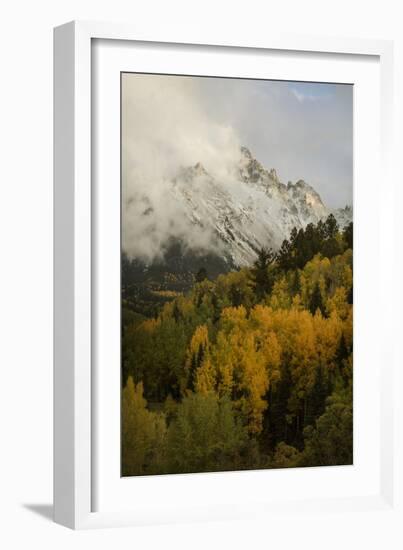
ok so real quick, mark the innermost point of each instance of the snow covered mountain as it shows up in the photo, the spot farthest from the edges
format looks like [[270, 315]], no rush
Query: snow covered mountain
[[248, 208]]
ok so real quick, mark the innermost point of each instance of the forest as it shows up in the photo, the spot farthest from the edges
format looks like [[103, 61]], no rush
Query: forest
[[250, 370]]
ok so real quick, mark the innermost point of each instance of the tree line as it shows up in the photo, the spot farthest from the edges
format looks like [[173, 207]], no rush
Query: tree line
[[251, 370]]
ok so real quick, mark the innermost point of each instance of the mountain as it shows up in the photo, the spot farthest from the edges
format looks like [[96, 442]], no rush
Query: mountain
[[249, 208], [225, 219]]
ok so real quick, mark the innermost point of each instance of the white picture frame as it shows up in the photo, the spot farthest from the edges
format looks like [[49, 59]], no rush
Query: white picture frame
[[76, 395]]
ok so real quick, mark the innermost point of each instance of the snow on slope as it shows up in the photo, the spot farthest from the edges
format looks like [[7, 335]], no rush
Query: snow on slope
[[250, 208]]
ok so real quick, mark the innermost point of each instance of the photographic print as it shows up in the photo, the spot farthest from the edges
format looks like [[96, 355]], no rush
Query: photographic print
[[236, 274]]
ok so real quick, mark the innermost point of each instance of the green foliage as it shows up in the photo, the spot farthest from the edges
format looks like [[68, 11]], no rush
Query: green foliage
[[252, 369], [205, 435], [143, 433], [261, 274], [348, 235], [285, 456], [330, 441], [316, 302], [201, 275], [303, 245], [331, 228]]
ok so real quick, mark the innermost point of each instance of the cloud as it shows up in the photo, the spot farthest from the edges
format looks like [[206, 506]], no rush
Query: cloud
[[304, 97], [304, 130], [165, 126], [310, 140]]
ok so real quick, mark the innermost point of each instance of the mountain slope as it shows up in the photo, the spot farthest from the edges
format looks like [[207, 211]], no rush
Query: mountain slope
[[249, 208]]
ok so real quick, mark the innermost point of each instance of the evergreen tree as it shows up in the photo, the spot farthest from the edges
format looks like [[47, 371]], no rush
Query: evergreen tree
[[235, 295], [200, 355], [296, 282], [216, 308], [192, 370], [348, 235], [176, 313], [311, 241], [317, 399], [330, 441], [350, 296], [201, 275], [342, 351], [301, 250], [242, 368], [261, 276], [320, 231], [331, 227], [316, 301], [293, 236], [331, 247], [284, 256]]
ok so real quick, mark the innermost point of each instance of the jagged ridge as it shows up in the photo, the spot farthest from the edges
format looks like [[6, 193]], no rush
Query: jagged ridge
[[251, 208]]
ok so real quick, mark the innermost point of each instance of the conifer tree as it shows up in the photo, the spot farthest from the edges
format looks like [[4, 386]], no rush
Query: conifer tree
[[331, 227], [348, 235], [176, 312], [261, 277], [284, 255], [201, 275], [342, 352], [316, 301], [296, 282], [319, 394]]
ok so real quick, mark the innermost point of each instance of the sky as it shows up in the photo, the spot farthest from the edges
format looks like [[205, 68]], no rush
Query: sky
[[303, 130]]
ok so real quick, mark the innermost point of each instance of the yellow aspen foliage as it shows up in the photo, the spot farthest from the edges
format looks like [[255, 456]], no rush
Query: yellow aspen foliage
[[297, 302], [187, 308], [254, 383], [262, 316], [314, 272], [234, 354], [303, 358], [181, 307], [198, 357], [150, 325], [328, 334], [200, 337], [347, 278], [261, 320], [348, 327], [271, 350], [341, 273], [305, 343], [247, 358], [233, 317], [235, 285], [223, 359], [285, 324], [338, 303], [280, 297], [205, 378], [143, 432]]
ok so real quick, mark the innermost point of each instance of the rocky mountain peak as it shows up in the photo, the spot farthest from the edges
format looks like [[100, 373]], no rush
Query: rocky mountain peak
[[199, 169], [273, 175], [255, 210], [190, 173], [246, 152]]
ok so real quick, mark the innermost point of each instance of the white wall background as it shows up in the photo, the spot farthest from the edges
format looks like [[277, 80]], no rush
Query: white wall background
[[26, 261]]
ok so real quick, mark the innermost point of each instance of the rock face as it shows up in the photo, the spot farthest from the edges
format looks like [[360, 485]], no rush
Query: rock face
[[250, 208]]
